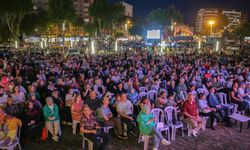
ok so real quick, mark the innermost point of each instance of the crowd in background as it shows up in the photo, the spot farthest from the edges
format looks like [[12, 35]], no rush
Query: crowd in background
[[104, 90]]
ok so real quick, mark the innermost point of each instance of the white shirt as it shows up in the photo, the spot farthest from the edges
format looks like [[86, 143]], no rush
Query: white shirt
[[125, 108]]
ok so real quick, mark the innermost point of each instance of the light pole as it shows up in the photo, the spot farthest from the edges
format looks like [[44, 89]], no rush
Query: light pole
[[211, 23], [63, 30]]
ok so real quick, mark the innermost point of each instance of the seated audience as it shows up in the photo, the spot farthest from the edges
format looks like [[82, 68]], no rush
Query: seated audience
[[32, 125], [214, 102], [205, 110], [77, 108], [161, 101], [125, 110], [92, 130], [147, 126], [92, 101], [51, 117], [107, 119], [191, 114]]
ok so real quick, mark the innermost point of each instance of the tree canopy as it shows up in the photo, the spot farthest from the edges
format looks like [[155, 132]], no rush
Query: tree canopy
[[13, 13], [242, 31], [61, 10], [165, 17], [106, 15]]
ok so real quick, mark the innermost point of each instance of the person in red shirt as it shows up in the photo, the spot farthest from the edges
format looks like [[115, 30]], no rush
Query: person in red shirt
[[191, 114]]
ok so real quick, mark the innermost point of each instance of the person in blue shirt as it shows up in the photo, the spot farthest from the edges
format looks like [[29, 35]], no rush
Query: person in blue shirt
[[205, 110]]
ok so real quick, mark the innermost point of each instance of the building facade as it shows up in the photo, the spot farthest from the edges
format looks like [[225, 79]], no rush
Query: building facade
[[183, 30], [128, 9], [234, 18], [244, 17], [82, 9], [203, 17]]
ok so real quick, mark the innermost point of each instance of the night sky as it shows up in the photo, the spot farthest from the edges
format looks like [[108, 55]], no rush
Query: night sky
[[188, 8]]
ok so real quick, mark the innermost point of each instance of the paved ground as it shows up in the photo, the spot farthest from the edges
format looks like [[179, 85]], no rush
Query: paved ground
[[222, 139]]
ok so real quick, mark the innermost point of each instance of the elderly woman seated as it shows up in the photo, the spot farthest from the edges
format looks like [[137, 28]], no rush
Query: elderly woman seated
[[147, 126], [51, 116]]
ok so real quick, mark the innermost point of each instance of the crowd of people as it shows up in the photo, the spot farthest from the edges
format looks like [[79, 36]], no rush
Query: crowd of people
[[105, 90]]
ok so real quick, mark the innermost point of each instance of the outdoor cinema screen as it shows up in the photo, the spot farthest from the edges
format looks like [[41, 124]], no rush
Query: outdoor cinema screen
[[153, 34]]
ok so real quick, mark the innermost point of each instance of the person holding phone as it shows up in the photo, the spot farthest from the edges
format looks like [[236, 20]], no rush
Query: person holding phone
[[147, 126]]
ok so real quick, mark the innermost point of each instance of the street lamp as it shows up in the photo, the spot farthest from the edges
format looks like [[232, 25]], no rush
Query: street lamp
[[93, 47], [211, 23], [162, 46], [199, 45], [16, 44], [63, 30], [217, 46], [116, 45]]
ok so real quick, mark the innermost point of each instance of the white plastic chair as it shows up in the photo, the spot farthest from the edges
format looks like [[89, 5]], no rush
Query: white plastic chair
[[223, 99], [74, 126], [169, 112], [143, 89], [200, 90], [143, 94], [145, 139], [15, 143], [90, 143], [106, 129], [159, 115], [152, 95]]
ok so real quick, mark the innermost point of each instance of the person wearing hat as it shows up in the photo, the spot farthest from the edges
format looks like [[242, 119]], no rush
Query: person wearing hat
[[147, 126]]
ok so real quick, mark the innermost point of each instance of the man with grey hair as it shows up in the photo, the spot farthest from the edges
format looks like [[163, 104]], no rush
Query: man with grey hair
[[51, 116]]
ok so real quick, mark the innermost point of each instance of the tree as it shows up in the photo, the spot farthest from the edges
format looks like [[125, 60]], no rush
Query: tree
[[242, 30], [137, 28], [158, 16], [35, 22], [98, 10], [90, 28], [61, 10], [13, 12], [173, 15], [107, 16], [5, 34], [116, 12]]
